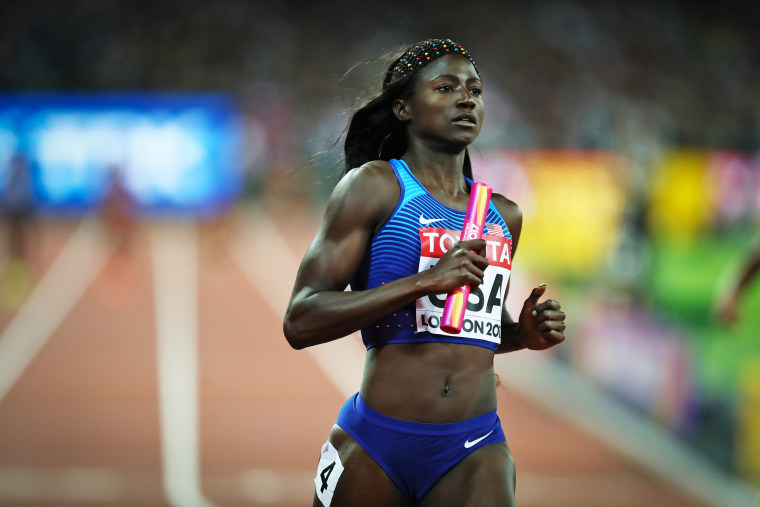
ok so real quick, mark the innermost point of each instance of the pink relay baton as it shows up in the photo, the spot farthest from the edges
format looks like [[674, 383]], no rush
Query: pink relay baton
[[474, 222]]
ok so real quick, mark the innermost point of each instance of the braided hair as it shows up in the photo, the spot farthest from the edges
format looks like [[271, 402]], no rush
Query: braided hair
[[374, 132]]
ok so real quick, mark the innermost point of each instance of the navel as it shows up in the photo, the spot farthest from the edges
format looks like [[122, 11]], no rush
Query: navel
[[446, 389]]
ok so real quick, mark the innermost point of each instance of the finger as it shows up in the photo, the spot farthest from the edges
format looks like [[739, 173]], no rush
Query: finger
[[547, 326], [550, 325], [549, 339], [474, 285], [477, 273], [468, 275], [548, 305], [479, 261], [554, 336], [551, 330], [548, 315], [474, 244], [535, 294]]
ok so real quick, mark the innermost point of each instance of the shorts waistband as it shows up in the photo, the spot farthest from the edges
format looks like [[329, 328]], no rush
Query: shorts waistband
[[418, 428]]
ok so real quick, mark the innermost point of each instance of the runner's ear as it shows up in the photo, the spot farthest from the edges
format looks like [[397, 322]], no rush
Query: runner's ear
[[399, 109]]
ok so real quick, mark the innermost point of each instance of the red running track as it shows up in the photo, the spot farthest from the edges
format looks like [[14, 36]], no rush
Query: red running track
[[81, 423]]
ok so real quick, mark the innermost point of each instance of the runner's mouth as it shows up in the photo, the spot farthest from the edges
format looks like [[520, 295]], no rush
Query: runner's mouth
[[467, 119]]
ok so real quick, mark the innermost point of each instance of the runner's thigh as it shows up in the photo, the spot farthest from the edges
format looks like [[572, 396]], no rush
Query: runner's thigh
[[362, 482], [484, 478]]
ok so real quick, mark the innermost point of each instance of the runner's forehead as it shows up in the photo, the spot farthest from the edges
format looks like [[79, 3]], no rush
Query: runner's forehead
[[449, 66]]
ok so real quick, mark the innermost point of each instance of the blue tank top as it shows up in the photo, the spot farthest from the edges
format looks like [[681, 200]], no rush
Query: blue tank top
[[417, 234]]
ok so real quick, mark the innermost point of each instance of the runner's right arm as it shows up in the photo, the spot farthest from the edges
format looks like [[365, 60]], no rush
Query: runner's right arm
[[320, 310]]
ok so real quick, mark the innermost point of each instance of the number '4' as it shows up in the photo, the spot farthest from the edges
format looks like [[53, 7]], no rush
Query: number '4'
[[325, 474]]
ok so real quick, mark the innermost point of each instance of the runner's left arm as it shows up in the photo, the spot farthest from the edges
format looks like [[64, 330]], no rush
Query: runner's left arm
[[540, 325]]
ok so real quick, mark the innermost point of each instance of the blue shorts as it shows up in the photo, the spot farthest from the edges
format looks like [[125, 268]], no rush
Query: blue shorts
[[416, 455]]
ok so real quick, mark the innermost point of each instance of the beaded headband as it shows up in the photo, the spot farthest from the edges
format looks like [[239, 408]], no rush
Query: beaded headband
[[424, 53]]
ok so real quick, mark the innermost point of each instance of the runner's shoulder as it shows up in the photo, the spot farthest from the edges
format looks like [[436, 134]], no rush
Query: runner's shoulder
[[510, 211], [372, 184]]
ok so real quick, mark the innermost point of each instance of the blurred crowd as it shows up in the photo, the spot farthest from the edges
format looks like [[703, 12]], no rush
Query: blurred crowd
[[629, 76]]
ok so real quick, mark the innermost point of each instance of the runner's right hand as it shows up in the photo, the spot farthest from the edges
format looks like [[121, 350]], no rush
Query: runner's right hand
[[463, 264]]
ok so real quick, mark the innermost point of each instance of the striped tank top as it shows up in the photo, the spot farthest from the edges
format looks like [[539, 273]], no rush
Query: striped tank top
[[415, 237]]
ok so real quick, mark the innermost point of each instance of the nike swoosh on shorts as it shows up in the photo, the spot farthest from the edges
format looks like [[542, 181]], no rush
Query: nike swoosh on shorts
[[469, 444]]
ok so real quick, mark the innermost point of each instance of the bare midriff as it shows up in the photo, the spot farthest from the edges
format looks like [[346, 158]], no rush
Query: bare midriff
[[430, 382]]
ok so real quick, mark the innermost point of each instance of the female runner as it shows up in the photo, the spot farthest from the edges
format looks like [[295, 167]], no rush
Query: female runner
[[423, 429]]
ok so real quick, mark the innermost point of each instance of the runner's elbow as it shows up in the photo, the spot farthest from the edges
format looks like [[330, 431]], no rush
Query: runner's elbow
[[294, 331], [291, 334]]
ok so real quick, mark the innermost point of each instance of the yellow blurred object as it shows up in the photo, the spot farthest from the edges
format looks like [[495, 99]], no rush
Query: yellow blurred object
[[578, 207], [15, 283], [681, 205], [748, 423]]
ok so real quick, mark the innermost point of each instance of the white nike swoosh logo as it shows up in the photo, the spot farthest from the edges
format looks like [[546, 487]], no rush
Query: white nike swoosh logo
[[469, 444], [427, 221]]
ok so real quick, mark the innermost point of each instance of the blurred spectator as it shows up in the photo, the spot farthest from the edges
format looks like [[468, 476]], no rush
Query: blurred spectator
[[728, 299], [118, 213], [119, 210], [17, 207]]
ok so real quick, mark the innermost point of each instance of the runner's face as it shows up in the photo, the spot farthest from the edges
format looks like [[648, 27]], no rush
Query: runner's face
[[447, 105]]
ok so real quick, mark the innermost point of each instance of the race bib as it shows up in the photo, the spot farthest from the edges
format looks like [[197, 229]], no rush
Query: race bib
[[482, 319], [329, 470]]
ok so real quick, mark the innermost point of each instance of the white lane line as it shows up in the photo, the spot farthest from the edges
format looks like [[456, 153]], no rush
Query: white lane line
[[270, 266], [175, 278], [576, 400], [63, 284]]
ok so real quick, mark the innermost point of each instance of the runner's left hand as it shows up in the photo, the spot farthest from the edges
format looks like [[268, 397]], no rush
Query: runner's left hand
[[541, 325]]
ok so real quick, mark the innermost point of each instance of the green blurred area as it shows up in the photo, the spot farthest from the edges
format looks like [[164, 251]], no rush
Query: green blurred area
[[685, 278], [638, 255]]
